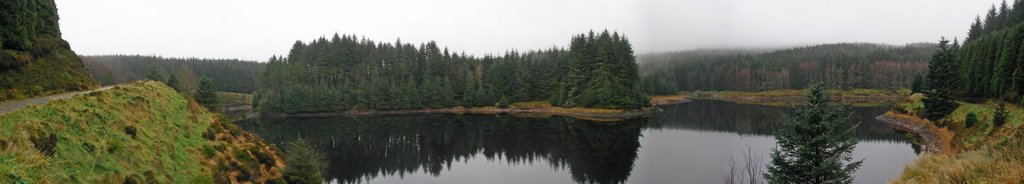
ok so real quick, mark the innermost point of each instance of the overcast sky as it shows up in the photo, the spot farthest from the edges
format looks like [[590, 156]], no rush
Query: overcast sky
[[257, 29]]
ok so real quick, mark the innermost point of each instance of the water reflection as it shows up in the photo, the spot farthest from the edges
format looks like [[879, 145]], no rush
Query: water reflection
[[364, 149], [368, 147]]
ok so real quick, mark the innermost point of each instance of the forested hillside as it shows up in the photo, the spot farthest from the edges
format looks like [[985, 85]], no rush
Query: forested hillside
[[227, 74], [344, 72], [969, 101], [990, 62], [34, 60], [848, 65]]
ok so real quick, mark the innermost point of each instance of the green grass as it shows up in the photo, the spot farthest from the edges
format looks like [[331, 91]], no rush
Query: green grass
[[94, 141], [161, 150], [228, 99], [785, 97]]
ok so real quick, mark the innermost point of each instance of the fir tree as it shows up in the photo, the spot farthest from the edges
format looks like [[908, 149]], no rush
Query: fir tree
[[305, 163], [938, 99], [918, 85], [154, 75], [1000, 116], [174, 83], [207, 94], [816, 145]]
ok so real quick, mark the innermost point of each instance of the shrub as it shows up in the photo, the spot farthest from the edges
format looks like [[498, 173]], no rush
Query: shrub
[[503, 102], [1000, 117], [970, 120]]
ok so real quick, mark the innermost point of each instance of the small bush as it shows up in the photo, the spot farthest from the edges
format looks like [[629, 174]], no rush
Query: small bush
[[1000, 117], [209, 151], [210, 135], [970, 120], [264, 157], [503, 102], [130, 130]]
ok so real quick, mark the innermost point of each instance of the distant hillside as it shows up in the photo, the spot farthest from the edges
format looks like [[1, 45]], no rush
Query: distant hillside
[[34, 60], [134, 133], [845, 65], [230, 75]]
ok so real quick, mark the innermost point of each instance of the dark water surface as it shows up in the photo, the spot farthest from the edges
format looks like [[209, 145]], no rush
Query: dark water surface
[[687, 143]]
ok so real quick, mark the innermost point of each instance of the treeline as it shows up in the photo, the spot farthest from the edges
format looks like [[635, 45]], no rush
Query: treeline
[[990, 62], [230, 75], [34, 60], [346, 72], [845, 65]]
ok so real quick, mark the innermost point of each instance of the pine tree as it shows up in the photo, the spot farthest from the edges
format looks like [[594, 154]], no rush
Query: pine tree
[[305, 163], [918, 85], [816, 145], [938, 99], [174, 83], [975, 30], [154, 75], [1000, 116], [207, 94]]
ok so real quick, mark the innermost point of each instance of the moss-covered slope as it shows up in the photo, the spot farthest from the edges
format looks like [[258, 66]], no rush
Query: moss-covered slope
[[139, 132], [34, 60]]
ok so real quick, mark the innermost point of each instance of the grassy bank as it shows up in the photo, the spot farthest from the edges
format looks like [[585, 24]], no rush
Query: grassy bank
[[982, 153], [856, 97], [139, 132]]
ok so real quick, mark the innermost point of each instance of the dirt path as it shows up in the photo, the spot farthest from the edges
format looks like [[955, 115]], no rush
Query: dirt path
[[9, 106]]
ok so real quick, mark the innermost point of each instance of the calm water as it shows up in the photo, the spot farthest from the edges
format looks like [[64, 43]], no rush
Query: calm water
[[687, 143]]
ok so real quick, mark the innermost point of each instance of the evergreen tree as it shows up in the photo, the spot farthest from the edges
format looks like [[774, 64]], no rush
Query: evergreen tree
[[305, 163], [938, 99], [1000, 115], [503, 102], [918, 85], [154, 75], [970, 119], [207, 94], [173, 83], [816, 145]]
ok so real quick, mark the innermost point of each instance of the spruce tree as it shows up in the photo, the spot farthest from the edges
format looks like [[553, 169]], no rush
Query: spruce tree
[[918, 85], [938, 101], [305, 163], [816, 144], [174, 83], [1000, 116], [154, 75], [207, 94]]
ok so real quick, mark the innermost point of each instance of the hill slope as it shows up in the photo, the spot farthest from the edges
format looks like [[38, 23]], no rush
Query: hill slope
[[139, 132], [34, 60], [841, 65]]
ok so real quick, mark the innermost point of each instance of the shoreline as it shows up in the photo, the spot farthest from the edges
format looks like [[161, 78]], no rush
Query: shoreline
[[924, 129], [519, 109], [856, 97]]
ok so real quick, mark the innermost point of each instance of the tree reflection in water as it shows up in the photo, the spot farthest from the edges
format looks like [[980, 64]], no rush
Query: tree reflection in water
[[364, 148], [361, 148]]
